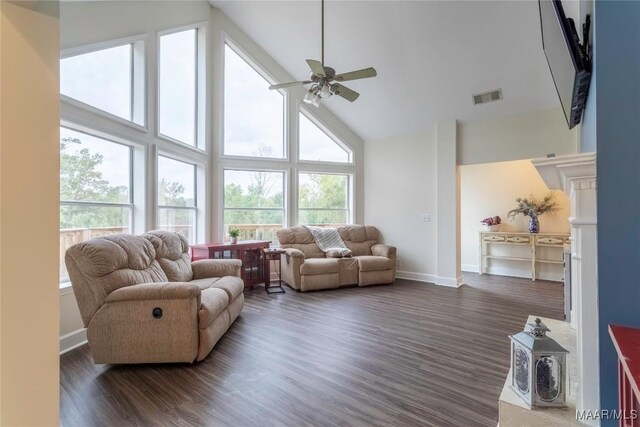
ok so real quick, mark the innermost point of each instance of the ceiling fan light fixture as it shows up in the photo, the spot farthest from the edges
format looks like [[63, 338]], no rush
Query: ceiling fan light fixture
[[308, 97], [316, 100]]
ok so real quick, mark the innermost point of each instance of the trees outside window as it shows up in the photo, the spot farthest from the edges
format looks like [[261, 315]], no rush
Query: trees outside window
[[323, 199], [254, 202], [95, 189], [177, 208]]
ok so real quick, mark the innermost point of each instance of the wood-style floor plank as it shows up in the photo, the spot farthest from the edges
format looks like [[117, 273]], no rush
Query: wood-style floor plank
[[401, 355]]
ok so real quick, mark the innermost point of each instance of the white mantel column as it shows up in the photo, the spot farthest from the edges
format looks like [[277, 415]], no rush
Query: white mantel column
[[576, 176]]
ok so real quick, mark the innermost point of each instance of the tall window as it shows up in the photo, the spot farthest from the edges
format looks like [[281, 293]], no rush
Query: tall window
[[177, 197], [253, 114], [315, 145], [254, 203], [323, 199], [95, 189], [105, 80], [178, 75]]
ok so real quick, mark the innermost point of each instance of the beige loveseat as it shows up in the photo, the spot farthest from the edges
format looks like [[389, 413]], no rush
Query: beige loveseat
[[142, 300], [305, 267]]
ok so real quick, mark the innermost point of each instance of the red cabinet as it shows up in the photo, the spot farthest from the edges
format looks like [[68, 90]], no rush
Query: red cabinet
[[248, 251]]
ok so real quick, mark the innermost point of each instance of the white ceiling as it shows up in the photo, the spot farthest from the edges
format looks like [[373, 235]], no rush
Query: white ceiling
[[431, 56]]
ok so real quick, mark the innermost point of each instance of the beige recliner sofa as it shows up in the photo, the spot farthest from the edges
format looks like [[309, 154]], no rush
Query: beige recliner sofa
[[142, 300], [305, 267]]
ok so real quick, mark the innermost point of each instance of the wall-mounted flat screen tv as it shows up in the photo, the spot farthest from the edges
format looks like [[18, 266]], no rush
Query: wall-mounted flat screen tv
[[567, 60]]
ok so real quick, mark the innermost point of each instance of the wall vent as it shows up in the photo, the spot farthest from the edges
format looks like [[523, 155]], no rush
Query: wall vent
[[483, 98]]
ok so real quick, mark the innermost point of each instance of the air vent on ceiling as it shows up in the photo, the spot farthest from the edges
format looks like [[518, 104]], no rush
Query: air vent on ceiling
[[483, 98]]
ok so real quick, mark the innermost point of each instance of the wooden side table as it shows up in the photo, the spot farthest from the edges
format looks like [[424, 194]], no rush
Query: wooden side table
[[248, 251], [273, 254]]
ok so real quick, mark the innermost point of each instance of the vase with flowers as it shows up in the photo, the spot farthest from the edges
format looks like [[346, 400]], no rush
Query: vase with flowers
[[533, 208]]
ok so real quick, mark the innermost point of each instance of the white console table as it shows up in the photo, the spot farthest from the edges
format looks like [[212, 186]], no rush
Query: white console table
[[533, 241]]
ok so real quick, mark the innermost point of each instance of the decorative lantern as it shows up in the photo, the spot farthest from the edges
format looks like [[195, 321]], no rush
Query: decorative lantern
[[538, 367]]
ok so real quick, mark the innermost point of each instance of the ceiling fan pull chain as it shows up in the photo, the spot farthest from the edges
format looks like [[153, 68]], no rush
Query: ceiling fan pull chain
[[322, 25]]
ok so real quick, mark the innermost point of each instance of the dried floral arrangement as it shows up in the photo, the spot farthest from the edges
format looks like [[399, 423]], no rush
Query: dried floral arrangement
[[533, 207]]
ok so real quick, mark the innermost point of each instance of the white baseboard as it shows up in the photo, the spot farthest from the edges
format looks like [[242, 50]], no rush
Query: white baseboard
[[452, 282], [525, 274], [420, 277], [429, 278], [470, 268], [73, 340]]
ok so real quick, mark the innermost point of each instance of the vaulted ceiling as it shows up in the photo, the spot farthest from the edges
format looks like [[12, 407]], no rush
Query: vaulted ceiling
[[431, 56]]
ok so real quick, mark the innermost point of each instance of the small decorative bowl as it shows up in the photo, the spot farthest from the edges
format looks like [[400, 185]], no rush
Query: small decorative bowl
[[486, 227]]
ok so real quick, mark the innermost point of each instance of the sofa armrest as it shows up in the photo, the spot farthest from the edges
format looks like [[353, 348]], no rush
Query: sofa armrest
[[129, 328], [294, 253], [383, 250], [290, 262], [205, 268], [154, 291]]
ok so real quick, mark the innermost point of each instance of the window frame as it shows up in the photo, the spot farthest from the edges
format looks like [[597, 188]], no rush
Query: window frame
[[265, 74], [197, 183], [350, 193], [322, 127], [250, 168], [201, 91], [66, 282], [139, 108]]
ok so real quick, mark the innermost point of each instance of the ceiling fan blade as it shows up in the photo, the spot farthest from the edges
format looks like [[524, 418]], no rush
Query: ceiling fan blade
[[283, 85], [355, 75], [345, 92], [316, 67]]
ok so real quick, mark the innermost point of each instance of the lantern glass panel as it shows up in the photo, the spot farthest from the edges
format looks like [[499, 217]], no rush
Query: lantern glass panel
[[548, 373], [521, 376]]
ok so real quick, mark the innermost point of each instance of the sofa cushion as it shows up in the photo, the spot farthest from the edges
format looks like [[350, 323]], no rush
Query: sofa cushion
[[319, 266], [359, 238], [100, 266], [232, 285], [172, 253], [300, 238], [213, 301], [374, 263], [339, 253], [348, 271], [205, 283]]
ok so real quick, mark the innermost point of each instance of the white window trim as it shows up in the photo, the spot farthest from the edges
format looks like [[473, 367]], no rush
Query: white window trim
[[201, 91], [265, 74], [320, 125], [247, 168], [199, 191], [65, 285], [350, 192], [139, 105]]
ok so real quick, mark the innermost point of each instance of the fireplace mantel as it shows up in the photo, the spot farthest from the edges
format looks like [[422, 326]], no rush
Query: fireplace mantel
[[575, 175], [558, 172]]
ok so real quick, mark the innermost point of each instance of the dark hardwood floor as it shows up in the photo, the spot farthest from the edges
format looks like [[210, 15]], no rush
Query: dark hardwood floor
[[409, 354]]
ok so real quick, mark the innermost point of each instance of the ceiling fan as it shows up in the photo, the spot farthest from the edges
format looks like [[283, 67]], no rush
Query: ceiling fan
[[324, 80]]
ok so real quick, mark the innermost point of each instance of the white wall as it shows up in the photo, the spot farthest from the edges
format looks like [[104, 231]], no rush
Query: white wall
[[401, 184], [400, 187], [490, 189], [523, 136], [29, 209]]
